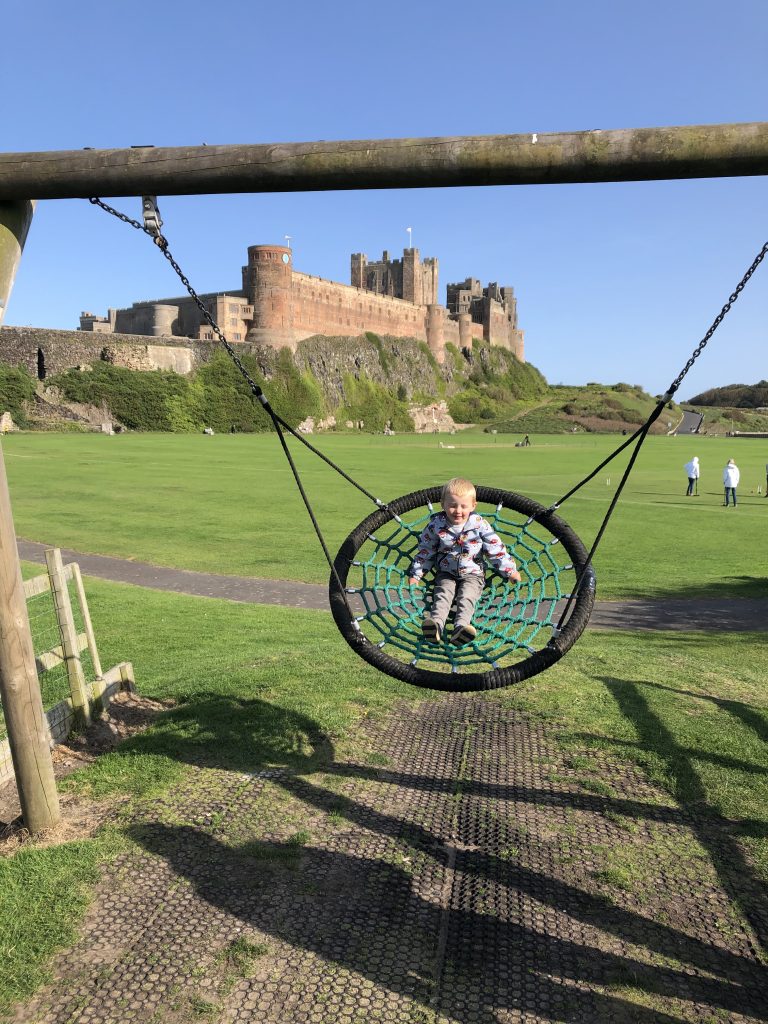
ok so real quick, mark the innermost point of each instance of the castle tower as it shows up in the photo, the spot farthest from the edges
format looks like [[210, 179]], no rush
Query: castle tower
[[269, 287], [358, 271], [413, 283]]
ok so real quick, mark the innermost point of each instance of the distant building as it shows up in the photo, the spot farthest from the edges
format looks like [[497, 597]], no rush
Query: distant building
[[280, 306]]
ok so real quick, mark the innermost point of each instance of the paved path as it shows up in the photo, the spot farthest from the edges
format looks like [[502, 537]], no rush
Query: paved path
[[743, 614]]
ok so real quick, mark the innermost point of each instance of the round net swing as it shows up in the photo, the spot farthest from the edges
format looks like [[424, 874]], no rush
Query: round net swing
[[379, 613]]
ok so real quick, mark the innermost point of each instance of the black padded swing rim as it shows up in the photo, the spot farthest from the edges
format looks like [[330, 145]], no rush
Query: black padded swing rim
[[464, 682]]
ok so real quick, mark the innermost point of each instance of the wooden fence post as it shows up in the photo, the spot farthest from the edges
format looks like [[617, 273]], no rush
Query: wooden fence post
[[28, 735], [83, 602], [69, 645]]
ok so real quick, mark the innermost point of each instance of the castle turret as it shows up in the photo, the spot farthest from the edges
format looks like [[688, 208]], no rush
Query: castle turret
[[269, 289], [465, 330], [163, 317], [436, 316]]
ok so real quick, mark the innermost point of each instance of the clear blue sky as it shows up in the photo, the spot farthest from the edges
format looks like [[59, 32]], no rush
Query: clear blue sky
[[615, 282]]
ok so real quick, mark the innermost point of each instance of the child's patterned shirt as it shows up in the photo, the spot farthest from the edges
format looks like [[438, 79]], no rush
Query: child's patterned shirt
[[460, 550]]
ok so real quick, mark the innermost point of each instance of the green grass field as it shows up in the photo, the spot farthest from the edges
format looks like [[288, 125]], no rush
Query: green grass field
[[229, 504], [255, 686]]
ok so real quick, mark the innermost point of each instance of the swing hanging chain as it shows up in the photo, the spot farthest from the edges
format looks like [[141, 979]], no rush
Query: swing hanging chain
[[719, 318], [162, 243], [643, 430], [640, 435]]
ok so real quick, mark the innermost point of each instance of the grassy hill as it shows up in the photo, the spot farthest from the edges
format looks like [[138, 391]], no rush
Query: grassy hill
[[593, 408], [735, 396], [727, 420]]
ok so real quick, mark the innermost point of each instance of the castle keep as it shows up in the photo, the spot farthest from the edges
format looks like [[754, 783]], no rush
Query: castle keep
[[279, 306]]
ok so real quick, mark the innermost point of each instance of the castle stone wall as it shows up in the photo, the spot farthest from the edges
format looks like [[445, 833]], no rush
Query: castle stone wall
[[46, 352], [326, 307]]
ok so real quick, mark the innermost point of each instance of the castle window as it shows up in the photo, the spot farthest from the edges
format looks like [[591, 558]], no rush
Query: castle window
[[40, 364]]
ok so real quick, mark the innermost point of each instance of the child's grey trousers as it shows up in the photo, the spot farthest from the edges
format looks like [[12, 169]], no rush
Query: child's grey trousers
[[464, 589]]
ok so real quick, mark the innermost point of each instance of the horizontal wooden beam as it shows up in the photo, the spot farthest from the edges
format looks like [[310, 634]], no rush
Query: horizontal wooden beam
[[635, 154]]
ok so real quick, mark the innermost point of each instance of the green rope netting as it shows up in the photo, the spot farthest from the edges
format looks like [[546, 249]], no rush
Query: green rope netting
[[512, 619]]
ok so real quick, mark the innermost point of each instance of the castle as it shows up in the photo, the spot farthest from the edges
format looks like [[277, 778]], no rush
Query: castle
[[279, 306]]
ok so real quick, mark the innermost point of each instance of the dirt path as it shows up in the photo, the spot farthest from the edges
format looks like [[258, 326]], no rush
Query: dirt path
[[744, 614], [449, 865]]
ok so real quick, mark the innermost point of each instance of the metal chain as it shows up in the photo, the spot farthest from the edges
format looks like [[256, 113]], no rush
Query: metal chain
[[162, 243], [719, 319]]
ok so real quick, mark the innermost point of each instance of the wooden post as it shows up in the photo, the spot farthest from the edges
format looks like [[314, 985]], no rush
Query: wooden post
[[25, 720], [535, 158], [70, 648], [15, 218], [82, 600], [98, 683]]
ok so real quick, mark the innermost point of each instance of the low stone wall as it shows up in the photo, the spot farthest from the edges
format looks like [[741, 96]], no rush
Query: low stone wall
[[45, 352]]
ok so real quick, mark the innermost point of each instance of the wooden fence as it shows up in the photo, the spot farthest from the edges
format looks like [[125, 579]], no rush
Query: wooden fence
[[86, 695]]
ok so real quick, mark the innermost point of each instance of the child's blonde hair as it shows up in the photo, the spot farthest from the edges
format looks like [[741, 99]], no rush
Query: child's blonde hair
[[460, 487]]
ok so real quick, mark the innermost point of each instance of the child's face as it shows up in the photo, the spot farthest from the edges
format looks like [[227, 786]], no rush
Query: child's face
[[458, 507]]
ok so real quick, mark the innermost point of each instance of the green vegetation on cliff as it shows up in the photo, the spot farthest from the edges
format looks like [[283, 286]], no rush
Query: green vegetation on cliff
[[496, 381], [16, 388], [215, 396]]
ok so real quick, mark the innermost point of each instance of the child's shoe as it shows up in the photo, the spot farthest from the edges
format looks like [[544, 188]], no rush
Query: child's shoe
[[464, 635], [432, 630]]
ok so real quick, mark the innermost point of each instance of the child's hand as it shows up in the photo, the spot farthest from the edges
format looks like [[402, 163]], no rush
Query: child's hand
[[513, 574], [415, 581]]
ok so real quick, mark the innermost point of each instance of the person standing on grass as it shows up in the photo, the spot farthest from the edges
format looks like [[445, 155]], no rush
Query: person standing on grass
[[456, 541], [692, 472], [730, 481]]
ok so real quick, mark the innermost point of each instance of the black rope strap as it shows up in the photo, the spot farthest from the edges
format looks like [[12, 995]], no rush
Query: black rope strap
[[642, 432]]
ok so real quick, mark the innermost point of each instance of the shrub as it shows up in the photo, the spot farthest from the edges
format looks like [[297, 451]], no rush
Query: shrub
[[17, 386], [137, 399], [374, 404]]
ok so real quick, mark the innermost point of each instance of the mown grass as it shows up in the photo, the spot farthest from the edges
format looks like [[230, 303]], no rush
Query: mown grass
[[229, 503]]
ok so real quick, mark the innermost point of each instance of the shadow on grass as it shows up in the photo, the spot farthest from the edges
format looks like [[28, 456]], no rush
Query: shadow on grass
[[354, 907], [724, 588], [364, 915], [715, 835], [211, 730]]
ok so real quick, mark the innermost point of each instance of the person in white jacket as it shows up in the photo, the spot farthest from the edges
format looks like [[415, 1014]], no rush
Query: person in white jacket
[[730, 481], [692, 472]]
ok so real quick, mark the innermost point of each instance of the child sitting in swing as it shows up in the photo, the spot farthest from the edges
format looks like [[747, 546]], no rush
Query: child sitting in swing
[[456, 541]]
